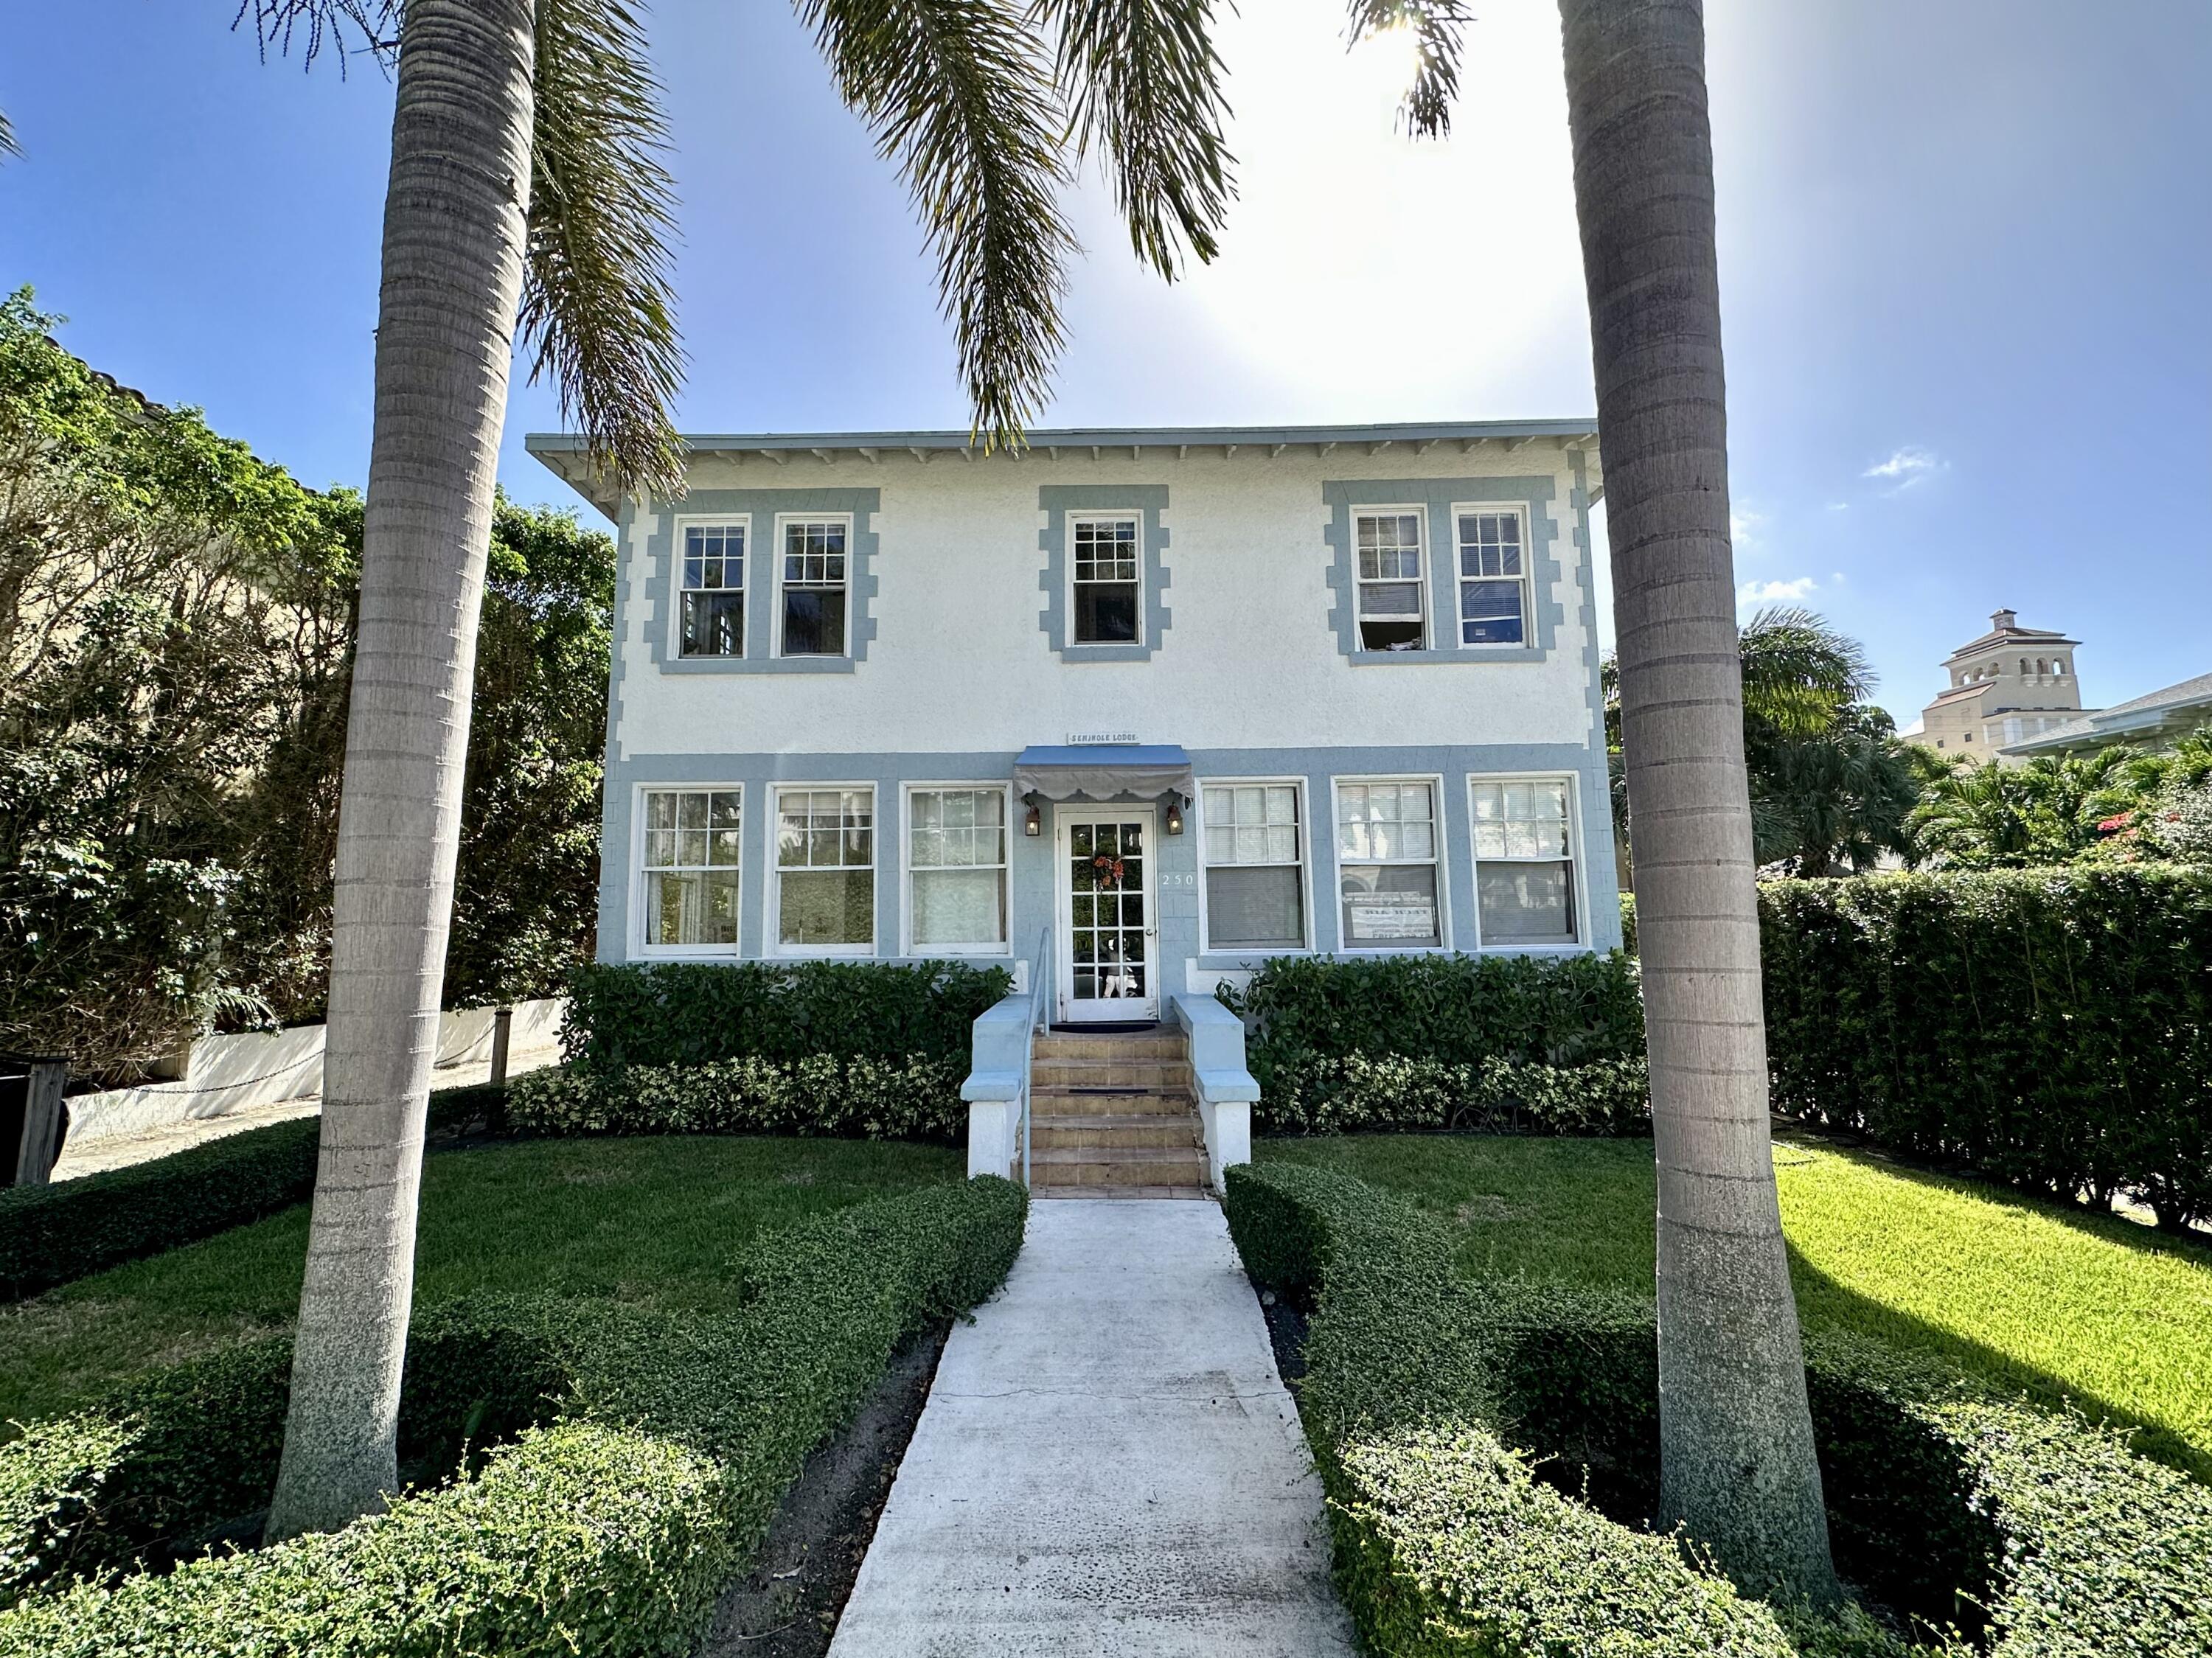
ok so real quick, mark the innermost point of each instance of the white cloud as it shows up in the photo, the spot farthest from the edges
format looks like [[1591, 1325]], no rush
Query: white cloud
[[1776, 593], [1907, 466], [1745, 526]]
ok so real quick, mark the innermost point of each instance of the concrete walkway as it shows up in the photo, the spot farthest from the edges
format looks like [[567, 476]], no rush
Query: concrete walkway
[[1108, 1465]]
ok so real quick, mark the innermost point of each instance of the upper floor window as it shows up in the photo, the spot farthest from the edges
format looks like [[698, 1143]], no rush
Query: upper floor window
[[1109, 589], [1493, 579], [957, 869], [1386, 855], [1255, 867], [712, 621], [815, 594], [691, 853], [825, 871], [1524, 871], [1391, 615]]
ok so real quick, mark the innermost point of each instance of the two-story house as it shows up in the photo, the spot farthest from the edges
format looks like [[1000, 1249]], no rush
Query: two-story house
[[1159, 704]]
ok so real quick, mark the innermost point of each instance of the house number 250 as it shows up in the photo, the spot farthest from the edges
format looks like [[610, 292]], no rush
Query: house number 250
[[1181, 878]]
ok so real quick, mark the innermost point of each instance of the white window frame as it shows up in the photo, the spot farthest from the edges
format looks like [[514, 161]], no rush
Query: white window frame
[[1460, 580], [641, 947], [772, 943], [1104, 516], [1578, 864], [1307, 863], [1419, 514], [907, 792], [706, 521], [783, 521], [1443, 859]]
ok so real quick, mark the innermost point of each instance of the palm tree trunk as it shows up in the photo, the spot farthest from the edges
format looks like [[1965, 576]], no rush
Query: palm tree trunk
[[1736, 1458], [452, 277]]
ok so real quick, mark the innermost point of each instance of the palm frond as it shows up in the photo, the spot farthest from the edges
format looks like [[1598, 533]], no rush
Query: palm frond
[[960, 94], [313, 24], [598, 314], [1799, 672], [1436, 24], [1143, 85]]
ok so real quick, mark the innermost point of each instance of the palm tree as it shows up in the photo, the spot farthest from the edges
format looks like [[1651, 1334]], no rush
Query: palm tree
[[1737, 1466], [526, 185], [2050, 810]]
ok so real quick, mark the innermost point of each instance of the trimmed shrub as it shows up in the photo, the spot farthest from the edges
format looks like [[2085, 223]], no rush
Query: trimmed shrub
[[661, 1447], [50, 1234], [1433, 1403], [913, 1099], [1435, 1041], [2051, 1028], [1498, 1096], [692, 1012]]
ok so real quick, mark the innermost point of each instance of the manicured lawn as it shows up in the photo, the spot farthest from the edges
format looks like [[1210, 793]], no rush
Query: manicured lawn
[[646, 1220], [2028, 1294]]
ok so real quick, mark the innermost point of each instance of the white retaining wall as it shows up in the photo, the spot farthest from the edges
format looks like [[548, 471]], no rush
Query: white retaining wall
[[232, 1073]]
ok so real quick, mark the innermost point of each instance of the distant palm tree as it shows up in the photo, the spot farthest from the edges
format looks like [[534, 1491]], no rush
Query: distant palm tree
[[526, 186], [1988, 815]]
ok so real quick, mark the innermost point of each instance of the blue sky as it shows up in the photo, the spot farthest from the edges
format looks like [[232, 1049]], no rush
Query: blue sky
[[1963, 250]]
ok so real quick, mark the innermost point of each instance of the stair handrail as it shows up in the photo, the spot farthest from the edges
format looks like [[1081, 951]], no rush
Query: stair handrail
[[1037, 980]]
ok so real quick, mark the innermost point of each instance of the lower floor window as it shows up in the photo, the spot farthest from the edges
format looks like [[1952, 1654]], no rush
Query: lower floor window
[[691, 867], [1524, 871], [957, 868], [1386, 845], [1255, 867], [825, 868]]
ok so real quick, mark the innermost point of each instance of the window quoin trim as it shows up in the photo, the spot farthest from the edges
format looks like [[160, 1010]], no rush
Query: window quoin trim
[[1060, 502], [661, 543], [1438, 498]]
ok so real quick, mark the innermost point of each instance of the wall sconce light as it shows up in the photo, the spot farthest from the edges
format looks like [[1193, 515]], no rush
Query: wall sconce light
[[1033, 822], [1175, 814]]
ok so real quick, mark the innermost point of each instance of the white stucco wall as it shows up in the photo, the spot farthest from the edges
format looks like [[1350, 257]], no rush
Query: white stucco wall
[[1251, 659]]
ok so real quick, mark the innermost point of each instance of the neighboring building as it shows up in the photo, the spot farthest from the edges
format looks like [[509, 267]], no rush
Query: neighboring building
[[2152, 721], [1178, 701], [2011, 685]]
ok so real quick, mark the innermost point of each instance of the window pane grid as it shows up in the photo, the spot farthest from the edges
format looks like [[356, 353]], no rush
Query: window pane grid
[[1493, 606], [1255, 870], [692, 847], [1386, 838], [1389, 570], [1106, 582], [956, 850], [1525, 864], [814, 584], [713, 607]]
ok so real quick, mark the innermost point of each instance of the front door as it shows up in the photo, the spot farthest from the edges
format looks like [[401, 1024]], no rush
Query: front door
[[1106, 926]]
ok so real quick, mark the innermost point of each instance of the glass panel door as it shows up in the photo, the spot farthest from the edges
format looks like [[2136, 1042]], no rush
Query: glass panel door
[[1106, 926]]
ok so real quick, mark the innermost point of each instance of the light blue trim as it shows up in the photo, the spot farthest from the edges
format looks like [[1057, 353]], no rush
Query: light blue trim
[[1602, 854], [1030, 900], [1056, 501], [759, 508], [1437, 497]]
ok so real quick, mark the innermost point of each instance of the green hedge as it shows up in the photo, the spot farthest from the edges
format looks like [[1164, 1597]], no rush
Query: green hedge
[[1445, 1042], [2050, 1027], [692, 1012], [1435, 1404], [649, 1454], [51, 1235], [915, 1099]]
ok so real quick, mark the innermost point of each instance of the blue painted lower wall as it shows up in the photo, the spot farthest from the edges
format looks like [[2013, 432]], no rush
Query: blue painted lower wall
[[1176, 862]]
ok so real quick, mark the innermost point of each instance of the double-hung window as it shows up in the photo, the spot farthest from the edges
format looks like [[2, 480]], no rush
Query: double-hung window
[[691, 865], [713, 620], [1386, 856], [1493, 579], [1524, 871], [956, 870], [1108, 588], [1391, 614], [826, 869], [815, 590], [1255, 867]]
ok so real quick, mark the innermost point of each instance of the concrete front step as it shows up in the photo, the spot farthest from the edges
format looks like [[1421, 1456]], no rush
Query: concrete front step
[[1118, 1165], [1108, 1073], [1157, 1129], [1120, 1103], [1152, 1045]]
